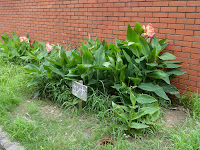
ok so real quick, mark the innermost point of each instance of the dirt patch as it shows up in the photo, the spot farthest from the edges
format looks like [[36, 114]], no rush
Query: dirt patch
[[175, 116], [51, 111]]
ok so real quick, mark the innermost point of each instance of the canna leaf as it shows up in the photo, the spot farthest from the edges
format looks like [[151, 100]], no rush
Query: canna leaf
[[131, 35], [145, 99], [138, 125], [167, 56]]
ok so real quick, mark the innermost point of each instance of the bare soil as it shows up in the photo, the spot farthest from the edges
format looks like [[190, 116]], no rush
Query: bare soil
[[175, 115]]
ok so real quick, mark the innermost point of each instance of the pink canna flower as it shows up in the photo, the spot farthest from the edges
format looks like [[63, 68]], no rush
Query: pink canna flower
[[23, 39], [148, 31], [49, 47]]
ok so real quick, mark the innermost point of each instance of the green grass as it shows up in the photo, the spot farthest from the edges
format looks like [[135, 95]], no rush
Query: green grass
[[42, 124]]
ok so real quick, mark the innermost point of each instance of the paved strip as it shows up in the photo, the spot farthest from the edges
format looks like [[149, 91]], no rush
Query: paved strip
[[6, 144]]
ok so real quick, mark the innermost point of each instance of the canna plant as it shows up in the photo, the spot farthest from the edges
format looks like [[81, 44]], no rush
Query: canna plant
[[132, 72], [140, 114], [14, 48]]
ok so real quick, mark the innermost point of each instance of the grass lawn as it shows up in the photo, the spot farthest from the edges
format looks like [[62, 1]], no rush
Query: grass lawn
[[41, 124]]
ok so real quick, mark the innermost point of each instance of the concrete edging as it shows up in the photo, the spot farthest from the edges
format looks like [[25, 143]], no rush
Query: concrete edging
[[6, 144]]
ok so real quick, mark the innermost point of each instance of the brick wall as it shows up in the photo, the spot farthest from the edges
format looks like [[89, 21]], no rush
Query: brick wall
[[69, 21]]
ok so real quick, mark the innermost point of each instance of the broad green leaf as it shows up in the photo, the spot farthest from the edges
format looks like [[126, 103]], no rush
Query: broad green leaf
[[131, 35], [170, 89], [150, 110], [128, 58], [87, 57], [107, 64], [163, 46], [138, 125], [99, 56], [137, 115], [138, 28], [156, 44], [135, 80], [152, 64], [117, 108], [172, 66], [135, 50], [167, 56], [117, 86], [162, 41], [31, 68], [122, 76], [132, 98], [152, 56], [166, 79], [140, 59], [154, 88], [33, 82], [158, 74], [54, 62], [145, 99], [63, 54], [56, 70], [145, 47], [175, 72]]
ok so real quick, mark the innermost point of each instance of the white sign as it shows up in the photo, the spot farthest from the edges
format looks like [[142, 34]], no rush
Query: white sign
[[79, 90]]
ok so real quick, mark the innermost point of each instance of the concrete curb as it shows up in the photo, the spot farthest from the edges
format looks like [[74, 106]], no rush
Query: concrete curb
[[6, 144]]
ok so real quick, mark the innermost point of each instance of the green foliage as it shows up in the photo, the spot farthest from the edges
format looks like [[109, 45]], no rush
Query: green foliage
[[12, 49], [192, 102], [131, 72], [140, 114]]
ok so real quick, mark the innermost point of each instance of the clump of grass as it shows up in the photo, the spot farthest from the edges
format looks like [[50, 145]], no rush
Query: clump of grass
[[186, 136], [192, 102]]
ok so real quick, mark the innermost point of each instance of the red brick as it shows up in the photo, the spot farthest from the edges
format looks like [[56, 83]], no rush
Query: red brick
[[184, 32], [152, 20], [186, 9], [190, 61], [195, 56], [185, 21], [167, 20], [196, 33], [187, 82], [168, 9], [177, 3], [167, 31], [181, 54], [176, 26], [138, 9], [175, 37], [173, 48], [144, 14], [193, 78], [192, 15], [131, 14], [145, 4], [180, 86], [176, 15], [160, 3], [190, 72], [192, 27], [195, 67], [153, 9], [160, 14], [197, 45], [125, 19], [192, 38], [191, 50], [193, 3], [182, 43]]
